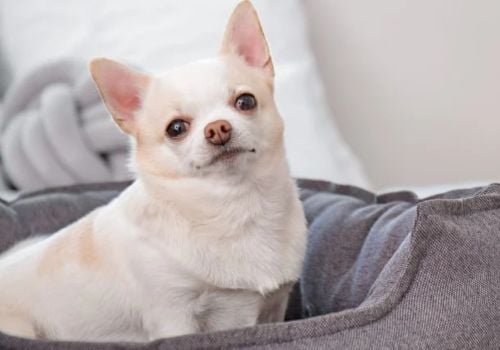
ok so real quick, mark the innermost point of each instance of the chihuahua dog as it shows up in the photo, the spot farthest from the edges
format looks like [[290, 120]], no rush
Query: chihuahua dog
[[210, 236]]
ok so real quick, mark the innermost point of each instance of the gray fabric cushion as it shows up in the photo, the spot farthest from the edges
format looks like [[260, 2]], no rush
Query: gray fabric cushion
[[385, 271]]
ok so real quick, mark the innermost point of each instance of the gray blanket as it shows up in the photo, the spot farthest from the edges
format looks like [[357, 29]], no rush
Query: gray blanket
[[381, 272], [54, 130]]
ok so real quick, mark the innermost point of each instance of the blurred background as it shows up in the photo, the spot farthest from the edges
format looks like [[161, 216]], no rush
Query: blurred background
[[384, 95], [415, 86]]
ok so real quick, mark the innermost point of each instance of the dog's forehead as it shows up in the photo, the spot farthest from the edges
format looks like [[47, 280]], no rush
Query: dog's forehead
[[201, 79]]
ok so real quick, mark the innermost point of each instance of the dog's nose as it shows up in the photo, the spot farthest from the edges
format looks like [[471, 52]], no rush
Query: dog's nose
[[218, 132]]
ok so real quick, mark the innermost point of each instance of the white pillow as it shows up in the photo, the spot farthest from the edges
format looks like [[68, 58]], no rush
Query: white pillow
[[157, 34]]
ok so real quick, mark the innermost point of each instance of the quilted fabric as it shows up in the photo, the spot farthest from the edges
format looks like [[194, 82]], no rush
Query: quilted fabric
[[381, 271], [54, 130]]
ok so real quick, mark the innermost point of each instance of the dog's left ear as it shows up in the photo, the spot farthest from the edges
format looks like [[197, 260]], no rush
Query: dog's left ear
[[244, 37]]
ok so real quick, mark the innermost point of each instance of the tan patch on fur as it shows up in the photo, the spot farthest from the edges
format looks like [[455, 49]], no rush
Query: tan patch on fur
[[74, 244], [16, 323], [87, 253]]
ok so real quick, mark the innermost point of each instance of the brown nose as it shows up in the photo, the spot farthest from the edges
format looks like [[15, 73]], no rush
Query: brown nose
[[218, 132]]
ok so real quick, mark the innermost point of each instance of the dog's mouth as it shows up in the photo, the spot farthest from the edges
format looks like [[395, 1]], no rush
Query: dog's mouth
[[229, 154]]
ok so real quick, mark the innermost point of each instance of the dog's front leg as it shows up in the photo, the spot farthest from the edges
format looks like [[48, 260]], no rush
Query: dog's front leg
[[172, 322], [275, 303]]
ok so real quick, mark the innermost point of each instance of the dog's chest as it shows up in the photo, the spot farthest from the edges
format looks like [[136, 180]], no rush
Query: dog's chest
[[240, 245]]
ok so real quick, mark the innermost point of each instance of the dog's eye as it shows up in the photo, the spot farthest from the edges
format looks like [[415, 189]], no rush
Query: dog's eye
[[177, 127], [245, 102]]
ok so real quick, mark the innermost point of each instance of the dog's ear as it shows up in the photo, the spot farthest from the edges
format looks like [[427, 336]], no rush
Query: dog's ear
[[244, 37], [122, 90]]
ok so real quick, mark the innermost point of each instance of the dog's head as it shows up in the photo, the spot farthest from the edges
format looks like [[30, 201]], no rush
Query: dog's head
[[206, 118]]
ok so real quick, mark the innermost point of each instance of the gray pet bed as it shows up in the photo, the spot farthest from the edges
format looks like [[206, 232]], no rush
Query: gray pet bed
[[385, 271]]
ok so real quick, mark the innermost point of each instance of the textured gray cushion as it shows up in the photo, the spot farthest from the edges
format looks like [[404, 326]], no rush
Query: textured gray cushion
[[385, 271]]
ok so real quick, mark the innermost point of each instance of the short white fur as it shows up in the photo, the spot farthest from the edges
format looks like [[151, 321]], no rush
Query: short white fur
[[190, 246]]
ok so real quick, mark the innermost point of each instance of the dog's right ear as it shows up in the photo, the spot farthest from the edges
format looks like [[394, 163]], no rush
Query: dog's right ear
[[245, 38], [122, 90]]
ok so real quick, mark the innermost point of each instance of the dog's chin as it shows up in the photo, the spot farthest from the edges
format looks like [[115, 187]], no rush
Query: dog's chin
[[230, 160], [229, 156]]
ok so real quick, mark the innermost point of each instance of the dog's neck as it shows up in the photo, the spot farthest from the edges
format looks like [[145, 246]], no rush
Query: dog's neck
[[203, 198]]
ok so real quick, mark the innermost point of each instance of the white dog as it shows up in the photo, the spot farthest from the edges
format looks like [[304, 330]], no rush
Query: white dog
[[211, 234]]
